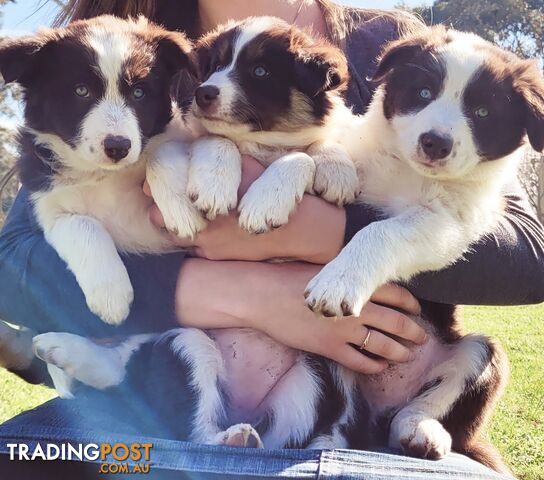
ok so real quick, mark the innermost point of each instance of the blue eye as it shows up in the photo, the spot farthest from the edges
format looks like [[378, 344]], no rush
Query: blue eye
[[482, 112], [425, 93], [81, 91], [260, 72], [138, 93]]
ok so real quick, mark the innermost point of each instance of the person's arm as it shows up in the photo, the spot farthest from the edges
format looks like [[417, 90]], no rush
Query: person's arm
[[269, 297], [39, 292]]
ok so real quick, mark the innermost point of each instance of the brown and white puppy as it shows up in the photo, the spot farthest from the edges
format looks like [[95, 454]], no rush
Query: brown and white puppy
[[97, 95], [274, 91], [442, 137]]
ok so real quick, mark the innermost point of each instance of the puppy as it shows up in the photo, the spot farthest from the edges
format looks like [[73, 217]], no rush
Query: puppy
[[97, 102], [271, 91], [440, 140], [439, 401]]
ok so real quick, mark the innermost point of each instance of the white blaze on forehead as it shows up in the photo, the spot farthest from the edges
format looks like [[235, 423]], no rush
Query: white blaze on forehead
[[463, 59], [112, 49]]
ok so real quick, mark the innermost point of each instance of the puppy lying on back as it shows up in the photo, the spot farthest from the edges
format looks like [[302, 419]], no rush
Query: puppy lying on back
[[439, 142], [97, 98], [274, 92]]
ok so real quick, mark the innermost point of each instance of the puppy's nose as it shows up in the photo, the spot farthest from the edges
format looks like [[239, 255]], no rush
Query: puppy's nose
[[206, 95], [116, 147], [435, 145]]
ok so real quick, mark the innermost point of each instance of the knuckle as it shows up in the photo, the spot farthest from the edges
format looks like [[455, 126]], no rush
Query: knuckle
[[400, 323]]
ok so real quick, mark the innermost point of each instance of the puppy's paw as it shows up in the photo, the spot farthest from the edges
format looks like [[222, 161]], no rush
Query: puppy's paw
[[182, 218], [424, 438], [336, 182], [241, 435], [111, 300], [264, 210], [337, 291], [212, 195]]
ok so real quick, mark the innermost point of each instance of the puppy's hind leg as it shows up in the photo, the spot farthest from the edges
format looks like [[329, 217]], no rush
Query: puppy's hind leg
[[79, 358], [439, 417]]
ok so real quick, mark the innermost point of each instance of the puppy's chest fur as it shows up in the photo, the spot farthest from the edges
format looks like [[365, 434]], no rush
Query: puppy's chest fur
[[115, 199]]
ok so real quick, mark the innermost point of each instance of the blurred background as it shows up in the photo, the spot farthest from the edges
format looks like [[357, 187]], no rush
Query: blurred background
[[518, 25]]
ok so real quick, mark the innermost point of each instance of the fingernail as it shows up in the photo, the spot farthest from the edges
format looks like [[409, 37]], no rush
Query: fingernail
[[412, 356], [426, 338]]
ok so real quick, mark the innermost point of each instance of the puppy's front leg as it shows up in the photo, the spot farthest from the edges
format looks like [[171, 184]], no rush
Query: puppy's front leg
[[167, 175], [274, 195], [393, 249], [214, 176], [335, 175], [88, 249]]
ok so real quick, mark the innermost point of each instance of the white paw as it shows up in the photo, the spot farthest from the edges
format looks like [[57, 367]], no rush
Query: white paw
[[241, 435], [94, 365], [214, 176], [181, 217], [211, 195], [262, 210], [423, 438], [336, 182], [111, 299], [337, 291]]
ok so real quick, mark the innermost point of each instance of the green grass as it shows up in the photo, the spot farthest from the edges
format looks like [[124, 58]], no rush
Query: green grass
[[517, 427]]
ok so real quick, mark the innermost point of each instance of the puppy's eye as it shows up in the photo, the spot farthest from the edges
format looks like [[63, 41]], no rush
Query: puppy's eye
[[481, 112], [425, 93], [260, 72], [138, 92], [82, 91]]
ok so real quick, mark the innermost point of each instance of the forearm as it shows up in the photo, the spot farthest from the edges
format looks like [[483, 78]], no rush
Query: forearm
[[228, 294]]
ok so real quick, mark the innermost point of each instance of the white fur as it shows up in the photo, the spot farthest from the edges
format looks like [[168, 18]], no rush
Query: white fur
[[79, 358]]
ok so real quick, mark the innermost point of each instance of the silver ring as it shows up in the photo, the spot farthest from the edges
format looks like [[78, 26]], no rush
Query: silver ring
[[366, 340]]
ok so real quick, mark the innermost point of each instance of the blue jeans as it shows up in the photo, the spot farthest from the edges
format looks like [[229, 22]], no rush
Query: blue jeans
[[99, 417]]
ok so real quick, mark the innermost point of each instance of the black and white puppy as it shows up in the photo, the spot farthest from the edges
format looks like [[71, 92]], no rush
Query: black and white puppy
[[434, 86], [442, 137], [275, 92], [97, 99]]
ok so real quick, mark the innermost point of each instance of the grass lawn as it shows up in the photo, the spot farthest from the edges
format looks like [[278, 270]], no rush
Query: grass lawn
[[518, 425]]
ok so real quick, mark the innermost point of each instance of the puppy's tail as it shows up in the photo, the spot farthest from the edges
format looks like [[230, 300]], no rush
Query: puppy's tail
[[485, 453]]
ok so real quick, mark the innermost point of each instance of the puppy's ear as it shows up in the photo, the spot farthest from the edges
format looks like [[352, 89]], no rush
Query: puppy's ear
[[319, 67], [529, 83], [400, 52], [175, 51], [17, 57]]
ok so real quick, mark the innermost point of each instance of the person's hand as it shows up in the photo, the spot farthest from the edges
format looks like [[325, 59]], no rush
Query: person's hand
[[269, 298], [314, 233]]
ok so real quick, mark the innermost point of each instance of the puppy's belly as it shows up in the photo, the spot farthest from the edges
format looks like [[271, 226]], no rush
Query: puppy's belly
[[401, 382], [254, 363]]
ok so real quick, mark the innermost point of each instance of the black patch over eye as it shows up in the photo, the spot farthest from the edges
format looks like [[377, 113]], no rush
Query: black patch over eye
[[138, 92], [425, 93], [482, 112], [260, 71], [82, 91]]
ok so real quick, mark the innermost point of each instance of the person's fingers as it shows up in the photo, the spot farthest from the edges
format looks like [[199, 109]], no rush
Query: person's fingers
[[396, 296], [393, 322], [251, 170], [382, 345], [355, 360], [147, 189], [156, 217]]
